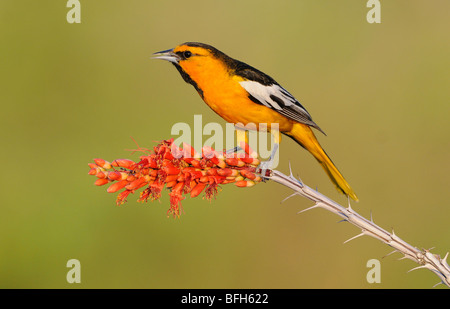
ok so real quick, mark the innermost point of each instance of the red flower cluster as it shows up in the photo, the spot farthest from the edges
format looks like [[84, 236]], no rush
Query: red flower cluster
[[182, 171]]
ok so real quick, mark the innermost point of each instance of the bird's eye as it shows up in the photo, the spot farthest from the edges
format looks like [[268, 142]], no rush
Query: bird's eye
[[187, 54]]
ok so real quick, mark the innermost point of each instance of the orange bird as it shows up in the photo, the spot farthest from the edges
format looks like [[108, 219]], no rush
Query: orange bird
[[239, 93]]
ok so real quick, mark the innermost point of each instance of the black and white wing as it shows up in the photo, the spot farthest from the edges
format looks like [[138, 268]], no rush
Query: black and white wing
[[279, 99]]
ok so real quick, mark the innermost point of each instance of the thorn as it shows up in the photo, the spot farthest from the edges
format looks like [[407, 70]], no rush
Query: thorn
[[314, 206], [415, 268], [440, 282], [290, 170], [390, 253], [299, 179], [354, 237], [445, 258], [348, 201], [288, 197], [371, 218]]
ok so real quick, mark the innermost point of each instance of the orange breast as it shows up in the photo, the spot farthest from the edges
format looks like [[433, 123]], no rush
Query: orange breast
[[223, 93]]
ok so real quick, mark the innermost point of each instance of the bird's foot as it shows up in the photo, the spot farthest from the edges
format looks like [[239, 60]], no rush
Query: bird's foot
[[265, 169], [233, 150]]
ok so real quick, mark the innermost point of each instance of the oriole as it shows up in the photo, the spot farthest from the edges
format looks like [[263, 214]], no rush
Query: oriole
[[240, 93]]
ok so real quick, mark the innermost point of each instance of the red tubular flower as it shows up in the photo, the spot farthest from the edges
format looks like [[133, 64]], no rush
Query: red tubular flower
[[181, 171]]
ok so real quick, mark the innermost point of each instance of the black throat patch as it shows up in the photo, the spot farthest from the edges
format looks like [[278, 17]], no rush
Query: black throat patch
[[188, 79]]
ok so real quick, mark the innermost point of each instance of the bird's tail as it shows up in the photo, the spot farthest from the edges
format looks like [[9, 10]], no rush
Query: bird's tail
[[303, 135]]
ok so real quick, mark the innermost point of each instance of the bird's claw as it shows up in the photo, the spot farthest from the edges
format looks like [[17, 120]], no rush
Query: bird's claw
[[265, 169], [233, 150]]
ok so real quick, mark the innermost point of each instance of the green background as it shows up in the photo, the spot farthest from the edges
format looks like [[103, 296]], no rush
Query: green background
[[74, 92]]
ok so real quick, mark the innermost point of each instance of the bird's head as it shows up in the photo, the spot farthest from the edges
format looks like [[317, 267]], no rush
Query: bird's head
[[196, 61]]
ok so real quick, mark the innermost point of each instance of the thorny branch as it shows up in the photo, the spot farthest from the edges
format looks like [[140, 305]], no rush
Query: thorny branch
[[423, 257], [183, 171]]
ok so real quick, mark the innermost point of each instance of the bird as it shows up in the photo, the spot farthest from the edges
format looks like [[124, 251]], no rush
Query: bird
[[242, 94]]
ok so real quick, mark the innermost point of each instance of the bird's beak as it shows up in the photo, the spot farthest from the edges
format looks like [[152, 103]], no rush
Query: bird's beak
[[168, 55]]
